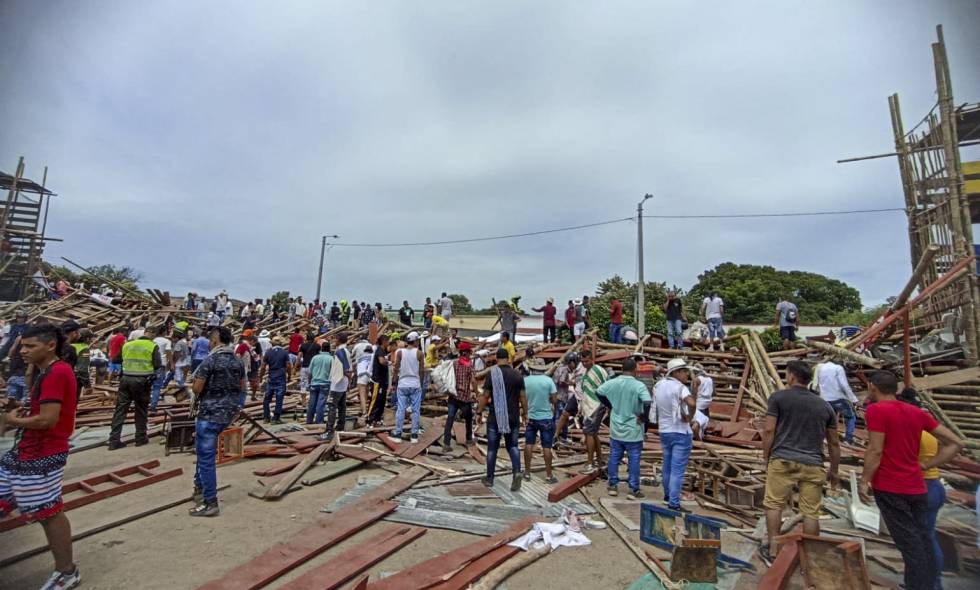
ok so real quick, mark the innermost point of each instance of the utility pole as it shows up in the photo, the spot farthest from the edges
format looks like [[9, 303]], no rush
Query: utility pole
[[319, 276], [640, 295]]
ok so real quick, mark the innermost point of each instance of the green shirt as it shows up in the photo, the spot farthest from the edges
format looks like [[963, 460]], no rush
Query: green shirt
[[626, 394], [320, 368], [539, 389]]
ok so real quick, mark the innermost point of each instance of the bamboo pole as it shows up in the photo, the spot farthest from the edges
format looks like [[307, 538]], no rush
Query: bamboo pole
[[844, 354], [767, 361]]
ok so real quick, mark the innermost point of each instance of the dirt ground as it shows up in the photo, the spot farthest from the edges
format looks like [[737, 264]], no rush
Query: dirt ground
[[171, 550]]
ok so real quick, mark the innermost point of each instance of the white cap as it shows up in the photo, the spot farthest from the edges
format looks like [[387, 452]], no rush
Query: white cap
[[436, 338], [676, 364], [412, 336]]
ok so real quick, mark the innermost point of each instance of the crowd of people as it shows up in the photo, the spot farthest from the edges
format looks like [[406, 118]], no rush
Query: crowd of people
[[51, 366]]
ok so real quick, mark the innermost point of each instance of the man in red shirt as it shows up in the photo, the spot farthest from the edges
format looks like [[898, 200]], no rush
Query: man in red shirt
[[31, 472], [893, 474], [295, 342], [615, 321], [549, 311], [116, 343], [570, 319]]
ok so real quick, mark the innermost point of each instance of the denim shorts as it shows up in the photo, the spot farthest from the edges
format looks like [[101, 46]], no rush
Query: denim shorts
[[545, 427]]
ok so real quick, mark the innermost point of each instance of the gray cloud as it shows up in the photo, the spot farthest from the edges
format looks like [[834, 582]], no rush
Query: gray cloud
[[213, 145]]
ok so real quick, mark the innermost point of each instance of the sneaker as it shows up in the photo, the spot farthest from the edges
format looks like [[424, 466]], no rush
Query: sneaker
[[486, 481], [635, 495], [325, 437], [276, 421], [62, 581], [447, 448], [140, 443], [205, 509], [565, 441], [613, 491], [527, 476], [515, 483], [116, 445], [765, 554], [414, 439], [590, 469], [198, 495], [395, 438], [551, 480]]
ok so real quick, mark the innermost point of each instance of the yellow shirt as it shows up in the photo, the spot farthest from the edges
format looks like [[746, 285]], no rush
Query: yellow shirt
[[511, 351], [928, 447], [431, 358], [439, 322]]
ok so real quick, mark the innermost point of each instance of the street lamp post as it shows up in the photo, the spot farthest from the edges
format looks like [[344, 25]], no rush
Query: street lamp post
[[640, 295], [319, 276]]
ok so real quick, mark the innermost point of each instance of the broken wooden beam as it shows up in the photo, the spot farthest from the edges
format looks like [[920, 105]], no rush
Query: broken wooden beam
[[347, 565], [571, 486], [782, 568], [287, 480]]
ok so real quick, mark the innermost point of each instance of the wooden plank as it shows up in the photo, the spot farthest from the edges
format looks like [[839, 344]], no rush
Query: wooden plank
[[441, 567], [279, 467], [358, 453], [570, 486], [397, 484], [72, 503], [945, 379], [392, 445], [282, 558], [293, 476], [478, 568], [329, 470], [347, 565], [431, 435], [782, 568]]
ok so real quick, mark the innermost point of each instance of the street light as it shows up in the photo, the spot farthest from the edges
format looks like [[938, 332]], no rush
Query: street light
[[640, 303], [319, 276]]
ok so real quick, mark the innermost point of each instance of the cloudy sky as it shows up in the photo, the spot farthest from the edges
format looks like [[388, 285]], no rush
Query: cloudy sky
[[211, 144]]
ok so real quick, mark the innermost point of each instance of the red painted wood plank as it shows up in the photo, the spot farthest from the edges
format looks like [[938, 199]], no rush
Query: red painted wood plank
[[392, 445], [442, 567], [782, 568], [279, 467], [431, 435], [478, 568], [358, 453], [347, 565], [100, 494], [570, 486], [325, 532]]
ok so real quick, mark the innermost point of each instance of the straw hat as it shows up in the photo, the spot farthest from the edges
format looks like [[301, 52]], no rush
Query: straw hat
[[536, 364], [677, 364]]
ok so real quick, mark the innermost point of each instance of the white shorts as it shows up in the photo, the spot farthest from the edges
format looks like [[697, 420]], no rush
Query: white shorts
[[364, 380], [579, 329]]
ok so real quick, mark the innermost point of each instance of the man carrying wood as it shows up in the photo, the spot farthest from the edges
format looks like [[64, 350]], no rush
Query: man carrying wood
[[31, 473], [219, 384]]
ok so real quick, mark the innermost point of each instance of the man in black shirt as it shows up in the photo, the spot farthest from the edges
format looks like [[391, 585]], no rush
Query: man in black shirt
[[674, 308], [379, 377], [406, 314], [307, 351], [219, 383], [503, 393]]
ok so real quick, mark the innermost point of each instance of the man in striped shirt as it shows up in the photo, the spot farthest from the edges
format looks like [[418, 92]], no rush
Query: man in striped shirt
[[593, 412]]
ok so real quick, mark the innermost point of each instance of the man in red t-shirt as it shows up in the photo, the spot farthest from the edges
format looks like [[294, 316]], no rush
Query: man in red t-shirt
[[31, 472], [615, 321], [549, 312], [892, 472], [116, 343]]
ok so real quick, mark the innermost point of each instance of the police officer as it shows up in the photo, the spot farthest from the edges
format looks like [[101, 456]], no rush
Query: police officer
[[140, 362]]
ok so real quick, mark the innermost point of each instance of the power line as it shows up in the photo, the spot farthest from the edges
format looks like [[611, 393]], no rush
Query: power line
[[602, 223], [488, 238], [746, 215]]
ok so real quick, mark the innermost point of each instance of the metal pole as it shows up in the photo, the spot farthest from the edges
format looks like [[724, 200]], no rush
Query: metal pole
[[640, 295], [319, 274]]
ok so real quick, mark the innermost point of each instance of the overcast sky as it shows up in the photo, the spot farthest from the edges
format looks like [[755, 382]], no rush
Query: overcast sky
[[211, 144]]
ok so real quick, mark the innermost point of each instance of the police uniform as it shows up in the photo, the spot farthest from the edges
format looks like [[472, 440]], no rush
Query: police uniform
[[139, 364]]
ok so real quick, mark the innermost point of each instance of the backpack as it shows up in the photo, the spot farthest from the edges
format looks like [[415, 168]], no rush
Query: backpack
[[791, 315]]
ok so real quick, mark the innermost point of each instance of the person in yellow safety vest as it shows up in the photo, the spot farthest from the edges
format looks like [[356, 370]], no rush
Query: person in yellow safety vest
[[82, 360], [140, 362]]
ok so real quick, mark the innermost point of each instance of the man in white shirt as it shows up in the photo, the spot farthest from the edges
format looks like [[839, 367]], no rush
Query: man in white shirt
[[675, 408], [446, 307], [165, 350], [705, 386], [831, 383], [713, 311]]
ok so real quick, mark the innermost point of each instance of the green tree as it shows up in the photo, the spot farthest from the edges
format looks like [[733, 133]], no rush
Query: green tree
[[619, 288], [461, 303], [281, 299], [751, 293]]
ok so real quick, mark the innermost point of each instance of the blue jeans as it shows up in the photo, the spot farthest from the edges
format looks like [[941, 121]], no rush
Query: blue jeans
[[677, 450], [274, 386], [16, 387], [935, 498], [715, 329], [559, 408], [206, 445], [675, 333], [614, 333], [493, 445], [843, 407], [406, 396], [158, 384], [632, 451], [318, 401]]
